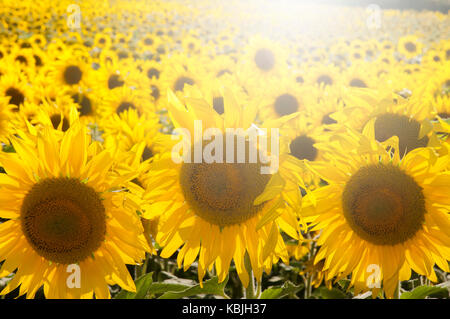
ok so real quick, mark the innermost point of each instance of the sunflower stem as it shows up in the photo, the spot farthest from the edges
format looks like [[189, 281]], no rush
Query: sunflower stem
[[309, 277], [249, 291]]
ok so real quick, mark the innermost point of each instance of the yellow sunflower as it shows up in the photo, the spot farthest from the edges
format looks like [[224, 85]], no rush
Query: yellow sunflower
[[70, 69], [409, 46], [67, 213], [222, 211], [6, 117], [124, 98], [384, 115], [263, 59], [380, 215], [283, 97], [14, 86]]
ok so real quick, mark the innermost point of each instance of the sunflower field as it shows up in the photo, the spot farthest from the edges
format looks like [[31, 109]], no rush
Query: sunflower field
[[115, 117]]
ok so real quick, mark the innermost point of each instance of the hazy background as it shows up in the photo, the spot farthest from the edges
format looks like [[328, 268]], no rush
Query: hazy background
[[435, 5]]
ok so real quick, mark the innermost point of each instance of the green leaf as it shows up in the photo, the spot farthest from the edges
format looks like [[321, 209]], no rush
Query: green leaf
[[210, 287], [288, 288], [8, 148], [334, 293], [160, 288], [425, 291], [344, 283], [143, 284]]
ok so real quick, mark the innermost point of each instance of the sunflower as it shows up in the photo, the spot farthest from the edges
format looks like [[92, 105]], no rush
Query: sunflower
[[300, 136], [125, 130], [66, 208], [23, 59], [70, 70], [102, 40], [151, 69], [38, 40], [149, 42], [108, 77], [6, 120], [360, 75], [435, 92], [51, 114], [323, 76], [409, 46], [195, 214], [380, 211], [13, 85], [283, 97], [123, 98], [386, 115], [87, 103], [263, 59], [179, 71], [213, 92], [192, 44]]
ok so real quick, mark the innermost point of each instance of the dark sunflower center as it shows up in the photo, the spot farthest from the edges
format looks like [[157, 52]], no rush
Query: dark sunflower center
[[327, 120], [358, 83], [264, 59], [155, 92], [21, 59], [38, 60], [324, 79], [56, 121], [16, 97], [181, 81], [218, 104], [124, 106], [72, 74], [223, 193], [152, 72], [383, 204], [286, 104], [137, 182], [115, 81], [148, 41], [302, 147], [85, 104], [222, 72], [407, 130], [147, 154], [63, 220], [444, 115], [410, 47]]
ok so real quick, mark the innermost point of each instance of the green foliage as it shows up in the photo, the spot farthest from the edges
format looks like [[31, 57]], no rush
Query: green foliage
[[143, 285], [426, 291], [210, 287], [334, 293], [287, 289]]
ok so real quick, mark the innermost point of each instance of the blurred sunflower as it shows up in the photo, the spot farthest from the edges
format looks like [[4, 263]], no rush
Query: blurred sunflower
[[222, 211], [391, 213], [409, 46], [124, 98], [263, 59], [384, 115], [69, 70], [66, 207]]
